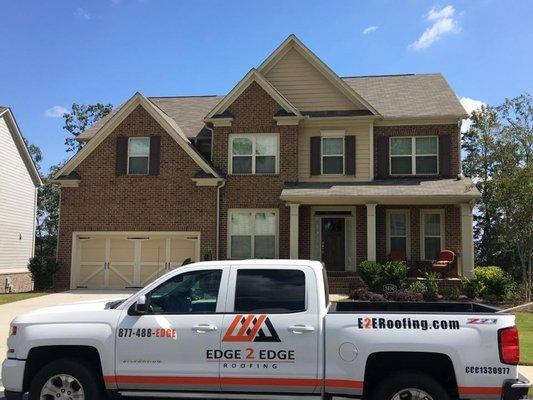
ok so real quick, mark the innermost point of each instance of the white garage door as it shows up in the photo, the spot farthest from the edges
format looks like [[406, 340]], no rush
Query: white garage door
[[124, 261]]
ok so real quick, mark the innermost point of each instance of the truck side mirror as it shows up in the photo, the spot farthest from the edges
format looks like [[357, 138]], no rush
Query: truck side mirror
[[141, 306]]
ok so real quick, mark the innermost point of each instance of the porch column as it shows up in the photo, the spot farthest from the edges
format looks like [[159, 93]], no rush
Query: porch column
[[467, 240], [371, 231], [294, 222]]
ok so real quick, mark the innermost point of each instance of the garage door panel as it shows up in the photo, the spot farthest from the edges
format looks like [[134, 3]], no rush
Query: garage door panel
[[122, 250], [150, 273], [93, 250], [121, 276], [180, 250], [92, 276], [153, 250]]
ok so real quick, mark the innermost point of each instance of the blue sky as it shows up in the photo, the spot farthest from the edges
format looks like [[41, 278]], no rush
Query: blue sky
[[54, 53]]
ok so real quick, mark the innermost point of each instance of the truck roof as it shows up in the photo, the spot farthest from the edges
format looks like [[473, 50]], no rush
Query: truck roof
[[281, 264]]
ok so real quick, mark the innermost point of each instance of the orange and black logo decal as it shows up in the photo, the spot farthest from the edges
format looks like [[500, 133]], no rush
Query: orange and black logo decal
[[251, 328]]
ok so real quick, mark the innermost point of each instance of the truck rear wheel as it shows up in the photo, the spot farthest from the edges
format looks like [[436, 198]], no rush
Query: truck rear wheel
[[66, 379], [410, 386]]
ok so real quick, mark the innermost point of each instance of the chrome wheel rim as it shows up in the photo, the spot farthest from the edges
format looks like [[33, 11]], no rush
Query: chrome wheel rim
[[411, 394], [62, 387]]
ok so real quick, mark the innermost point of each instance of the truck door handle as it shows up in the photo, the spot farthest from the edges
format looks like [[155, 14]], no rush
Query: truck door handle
[[204, 328], [300, 329]]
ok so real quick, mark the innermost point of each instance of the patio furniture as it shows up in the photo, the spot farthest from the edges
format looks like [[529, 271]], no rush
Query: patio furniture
[[446, 259]]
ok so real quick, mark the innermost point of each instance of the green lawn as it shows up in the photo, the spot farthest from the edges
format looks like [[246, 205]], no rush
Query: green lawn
[[524, 322], [11, 297]]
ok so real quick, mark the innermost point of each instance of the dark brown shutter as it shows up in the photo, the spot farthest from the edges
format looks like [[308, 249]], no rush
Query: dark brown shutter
[[122, 155], [349, 155], [315, 155], [383, 157], [155, 154], [445, 157]]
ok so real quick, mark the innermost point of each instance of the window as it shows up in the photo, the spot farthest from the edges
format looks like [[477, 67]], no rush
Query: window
[[254, 154], [332, 155], [432, 234], [138, 156], [398, 231], [414, 155], [269, 290], [253, 234], [194, 292]]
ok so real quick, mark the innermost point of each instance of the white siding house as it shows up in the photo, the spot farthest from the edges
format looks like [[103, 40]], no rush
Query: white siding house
[[19, 180]]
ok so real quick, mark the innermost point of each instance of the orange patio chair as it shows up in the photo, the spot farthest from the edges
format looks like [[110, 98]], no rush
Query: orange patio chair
[[397, 255], [446, 258]]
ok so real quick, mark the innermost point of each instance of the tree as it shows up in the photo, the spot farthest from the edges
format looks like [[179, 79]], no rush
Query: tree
[[80, 118], [47, 215]]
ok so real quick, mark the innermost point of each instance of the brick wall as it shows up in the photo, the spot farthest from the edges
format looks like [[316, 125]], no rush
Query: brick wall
[[420, 130], [253, 112], [21, 282], [103, 201]]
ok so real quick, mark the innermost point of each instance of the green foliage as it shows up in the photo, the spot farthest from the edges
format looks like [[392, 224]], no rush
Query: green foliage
[[432, 286], [450, 292], [395, 272], [208, 254], [371, 274], [472, 287], [80, 118], [43, 270], [418, 287], [495, 284]]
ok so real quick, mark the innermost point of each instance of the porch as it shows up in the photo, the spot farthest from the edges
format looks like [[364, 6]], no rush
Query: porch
[[346, 224]]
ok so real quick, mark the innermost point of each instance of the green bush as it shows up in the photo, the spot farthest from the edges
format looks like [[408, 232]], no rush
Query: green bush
[[371, 274], [43, 270], [395, 273], [418, 287], [432, 286], [472, 287], [495, 284], [450, 292]]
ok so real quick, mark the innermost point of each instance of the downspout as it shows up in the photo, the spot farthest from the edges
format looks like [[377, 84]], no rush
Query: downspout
[[460, 175], [218, 216]]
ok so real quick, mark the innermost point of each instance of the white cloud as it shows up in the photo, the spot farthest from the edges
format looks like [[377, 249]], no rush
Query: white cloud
[[443, 24], [56, 112], [446, 12], [469, 105], [82, 13], [370, 29]]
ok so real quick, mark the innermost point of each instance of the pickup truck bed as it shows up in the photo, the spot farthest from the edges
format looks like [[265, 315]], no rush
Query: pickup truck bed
[[411, 307]]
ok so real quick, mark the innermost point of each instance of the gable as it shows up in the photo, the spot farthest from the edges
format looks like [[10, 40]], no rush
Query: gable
[[305, 87]]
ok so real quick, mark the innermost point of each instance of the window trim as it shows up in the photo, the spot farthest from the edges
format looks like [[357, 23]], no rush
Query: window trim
[[413, 155], [407, 214], [422, 224], [332, 135], [252, 137], [147, 158], [253, 211]]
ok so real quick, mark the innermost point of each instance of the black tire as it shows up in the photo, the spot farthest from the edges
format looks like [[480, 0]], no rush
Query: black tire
[[88, 378], [388, 388]]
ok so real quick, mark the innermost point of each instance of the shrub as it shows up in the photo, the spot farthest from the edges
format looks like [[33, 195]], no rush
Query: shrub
[[450, 292], [395, 273], [472, 287], [495, 284], [43, 270], [418, 287], [364, 294], [432, 286], [404, 295], [371, 273]]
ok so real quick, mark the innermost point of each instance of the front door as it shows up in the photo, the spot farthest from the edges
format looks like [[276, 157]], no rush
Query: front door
[[166, 348], [333, 243]]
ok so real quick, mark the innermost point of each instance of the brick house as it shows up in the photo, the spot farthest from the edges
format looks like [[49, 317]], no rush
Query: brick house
[[294, 162]]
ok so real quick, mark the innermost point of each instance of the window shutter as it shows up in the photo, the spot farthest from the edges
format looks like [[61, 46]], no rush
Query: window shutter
[[155, 154], [383, 157], [349, 155], [122, 155], [315, 155], [445, 157]]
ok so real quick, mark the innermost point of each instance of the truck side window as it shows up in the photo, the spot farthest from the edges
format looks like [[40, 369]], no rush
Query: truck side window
[[270, 291], [194, 292]]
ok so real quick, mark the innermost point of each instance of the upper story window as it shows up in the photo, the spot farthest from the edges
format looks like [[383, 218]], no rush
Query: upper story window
[[252, 234], [254, 154], [333, 155], [414, 155], [138, 156]]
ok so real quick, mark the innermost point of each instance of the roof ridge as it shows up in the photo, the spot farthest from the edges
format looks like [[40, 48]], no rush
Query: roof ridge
[[185, 97], [390, 75]]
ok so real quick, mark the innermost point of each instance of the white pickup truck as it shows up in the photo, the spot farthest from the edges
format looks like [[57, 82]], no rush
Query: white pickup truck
[[257, 330]]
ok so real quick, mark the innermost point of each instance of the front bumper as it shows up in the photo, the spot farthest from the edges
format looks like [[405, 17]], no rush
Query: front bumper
[[515, 389], [13, 374]]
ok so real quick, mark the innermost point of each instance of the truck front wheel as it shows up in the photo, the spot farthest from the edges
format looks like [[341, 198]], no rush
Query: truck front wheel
[[66, 379], [410, 386]]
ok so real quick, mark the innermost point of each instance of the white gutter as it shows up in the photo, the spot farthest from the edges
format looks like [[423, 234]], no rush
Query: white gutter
[[218, 218]]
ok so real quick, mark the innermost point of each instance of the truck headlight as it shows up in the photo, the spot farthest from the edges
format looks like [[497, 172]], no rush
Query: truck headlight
[[13, 330]]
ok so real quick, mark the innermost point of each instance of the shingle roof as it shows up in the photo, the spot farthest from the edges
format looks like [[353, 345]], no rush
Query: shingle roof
[[453, 189], [2, 109], [408, 96]]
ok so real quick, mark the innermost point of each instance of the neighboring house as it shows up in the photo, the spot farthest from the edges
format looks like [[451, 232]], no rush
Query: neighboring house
[[294, 162], [19, 180]]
